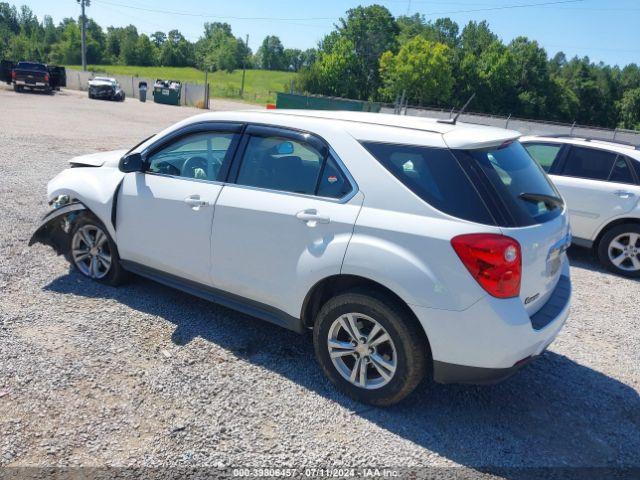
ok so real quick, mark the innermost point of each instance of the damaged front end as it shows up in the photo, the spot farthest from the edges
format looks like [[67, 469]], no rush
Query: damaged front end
[[55, 226]]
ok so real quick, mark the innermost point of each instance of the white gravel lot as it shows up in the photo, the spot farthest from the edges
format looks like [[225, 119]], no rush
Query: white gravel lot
[[145, 376]]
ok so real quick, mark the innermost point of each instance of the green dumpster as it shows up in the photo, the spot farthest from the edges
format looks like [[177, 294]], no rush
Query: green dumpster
[[167, 92]]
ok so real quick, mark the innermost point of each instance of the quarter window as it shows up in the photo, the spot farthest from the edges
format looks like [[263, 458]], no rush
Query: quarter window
[[199, 156], [621, 172], [435, 176], [333, 183], [543, 153], [589, 163]]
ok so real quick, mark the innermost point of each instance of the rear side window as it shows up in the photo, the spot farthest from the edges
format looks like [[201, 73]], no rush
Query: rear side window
[[589, 163], [518, 182], [544, 153], [435, 176], [278, 163]]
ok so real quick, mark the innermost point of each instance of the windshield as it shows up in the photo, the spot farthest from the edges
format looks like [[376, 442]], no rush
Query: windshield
[[140, 143], [522, 186]]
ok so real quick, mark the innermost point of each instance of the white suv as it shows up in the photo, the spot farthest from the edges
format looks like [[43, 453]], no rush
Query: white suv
[[409, 246], [600, 180]]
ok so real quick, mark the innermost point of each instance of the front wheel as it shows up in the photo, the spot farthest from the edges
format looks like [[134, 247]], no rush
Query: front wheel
[[93, 252], [619, 250], [370, 348]]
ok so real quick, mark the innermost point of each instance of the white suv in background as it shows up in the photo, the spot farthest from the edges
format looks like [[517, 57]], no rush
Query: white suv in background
[[600, 181], [409, 246]]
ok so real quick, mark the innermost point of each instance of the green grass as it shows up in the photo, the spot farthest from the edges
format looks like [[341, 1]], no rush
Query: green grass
[[260, 85]]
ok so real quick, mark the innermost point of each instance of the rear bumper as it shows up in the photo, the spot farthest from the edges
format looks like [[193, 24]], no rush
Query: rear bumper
[[34, 85], [493, 338], [451, 373]]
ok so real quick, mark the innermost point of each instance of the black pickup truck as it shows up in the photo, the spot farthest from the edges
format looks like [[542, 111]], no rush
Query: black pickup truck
[[33, 75]]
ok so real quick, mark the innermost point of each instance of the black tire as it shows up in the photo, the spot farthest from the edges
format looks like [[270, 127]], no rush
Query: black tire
[[17, 88], [412, 350], [115, 275], [627, 267], [90, 96]]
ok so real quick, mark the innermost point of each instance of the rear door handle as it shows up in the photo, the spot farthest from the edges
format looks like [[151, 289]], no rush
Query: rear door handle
[[311, 217], [195, 202], [624, 194]]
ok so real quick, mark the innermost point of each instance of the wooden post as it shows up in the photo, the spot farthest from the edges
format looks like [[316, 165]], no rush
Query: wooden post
[[206, 89], [244, 67]]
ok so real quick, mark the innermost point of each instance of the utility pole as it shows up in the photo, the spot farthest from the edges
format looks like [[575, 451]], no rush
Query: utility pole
[[83, 19], [244, 66]]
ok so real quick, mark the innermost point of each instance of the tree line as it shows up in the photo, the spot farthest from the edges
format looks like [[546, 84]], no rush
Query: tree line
[[23, 36], [370, 55]]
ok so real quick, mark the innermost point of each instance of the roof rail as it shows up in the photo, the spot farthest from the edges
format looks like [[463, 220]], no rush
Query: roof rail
[[592, 139]]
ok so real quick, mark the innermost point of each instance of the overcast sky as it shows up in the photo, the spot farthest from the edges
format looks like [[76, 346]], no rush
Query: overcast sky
[[604, 30]]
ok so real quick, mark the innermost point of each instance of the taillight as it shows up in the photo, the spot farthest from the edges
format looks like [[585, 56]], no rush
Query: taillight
[[46, 77], [13, 74], [495, 261]]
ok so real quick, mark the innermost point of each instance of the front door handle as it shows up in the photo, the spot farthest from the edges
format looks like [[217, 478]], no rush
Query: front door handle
[[195, 202], [624, 194], [311, 217]]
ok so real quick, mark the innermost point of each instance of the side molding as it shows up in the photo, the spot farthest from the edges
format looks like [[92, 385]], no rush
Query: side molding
[[229, 300]]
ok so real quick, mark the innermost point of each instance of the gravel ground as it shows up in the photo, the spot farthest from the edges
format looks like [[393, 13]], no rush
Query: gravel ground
[[147, 376]]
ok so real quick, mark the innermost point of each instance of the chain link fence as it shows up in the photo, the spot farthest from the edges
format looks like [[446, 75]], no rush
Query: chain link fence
[[525, 126]]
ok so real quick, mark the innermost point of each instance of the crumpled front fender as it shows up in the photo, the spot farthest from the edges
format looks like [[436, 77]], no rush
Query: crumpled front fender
[[54, 227]]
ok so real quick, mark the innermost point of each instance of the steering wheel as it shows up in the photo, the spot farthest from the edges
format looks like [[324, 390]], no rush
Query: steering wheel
[[191, 167]]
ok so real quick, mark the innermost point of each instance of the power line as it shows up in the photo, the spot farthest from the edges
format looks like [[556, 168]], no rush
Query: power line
[[506, 7], [286, 19], [206, 15]]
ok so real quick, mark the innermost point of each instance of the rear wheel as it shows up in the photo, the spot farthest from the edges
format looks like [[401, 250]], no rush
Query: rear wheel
[[619, 250], [369, 348], [93, 252], [17, 88]]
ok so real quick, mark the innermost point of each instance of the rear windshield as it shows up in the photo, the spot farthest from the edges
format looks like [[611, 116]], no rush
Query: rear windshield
[[31, 66], [518, 181], [435, 176]]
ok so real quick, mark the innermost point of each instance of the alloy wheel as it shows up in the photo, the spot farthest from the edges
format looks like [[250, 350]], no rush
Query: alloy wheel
[[362, 351], [624, 252], [91, 252]]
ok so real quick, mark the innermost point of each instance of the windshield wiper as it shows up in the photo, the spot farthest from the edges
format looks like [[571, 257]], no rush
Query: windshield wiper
[[548, 200]]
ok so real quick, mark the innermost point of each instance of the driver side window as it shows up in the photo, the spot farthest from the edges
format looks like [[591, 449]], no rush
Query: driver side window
[[199, 156]]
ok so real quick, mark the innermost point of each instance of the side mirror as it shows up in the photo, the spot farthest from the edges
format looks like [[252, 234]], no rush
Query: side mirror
[[285, 148], [131, 163]]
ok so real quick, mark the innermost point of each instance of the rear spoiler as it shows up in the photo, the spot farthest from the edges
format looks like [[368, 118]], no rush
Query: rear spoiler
[[478, 138]]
